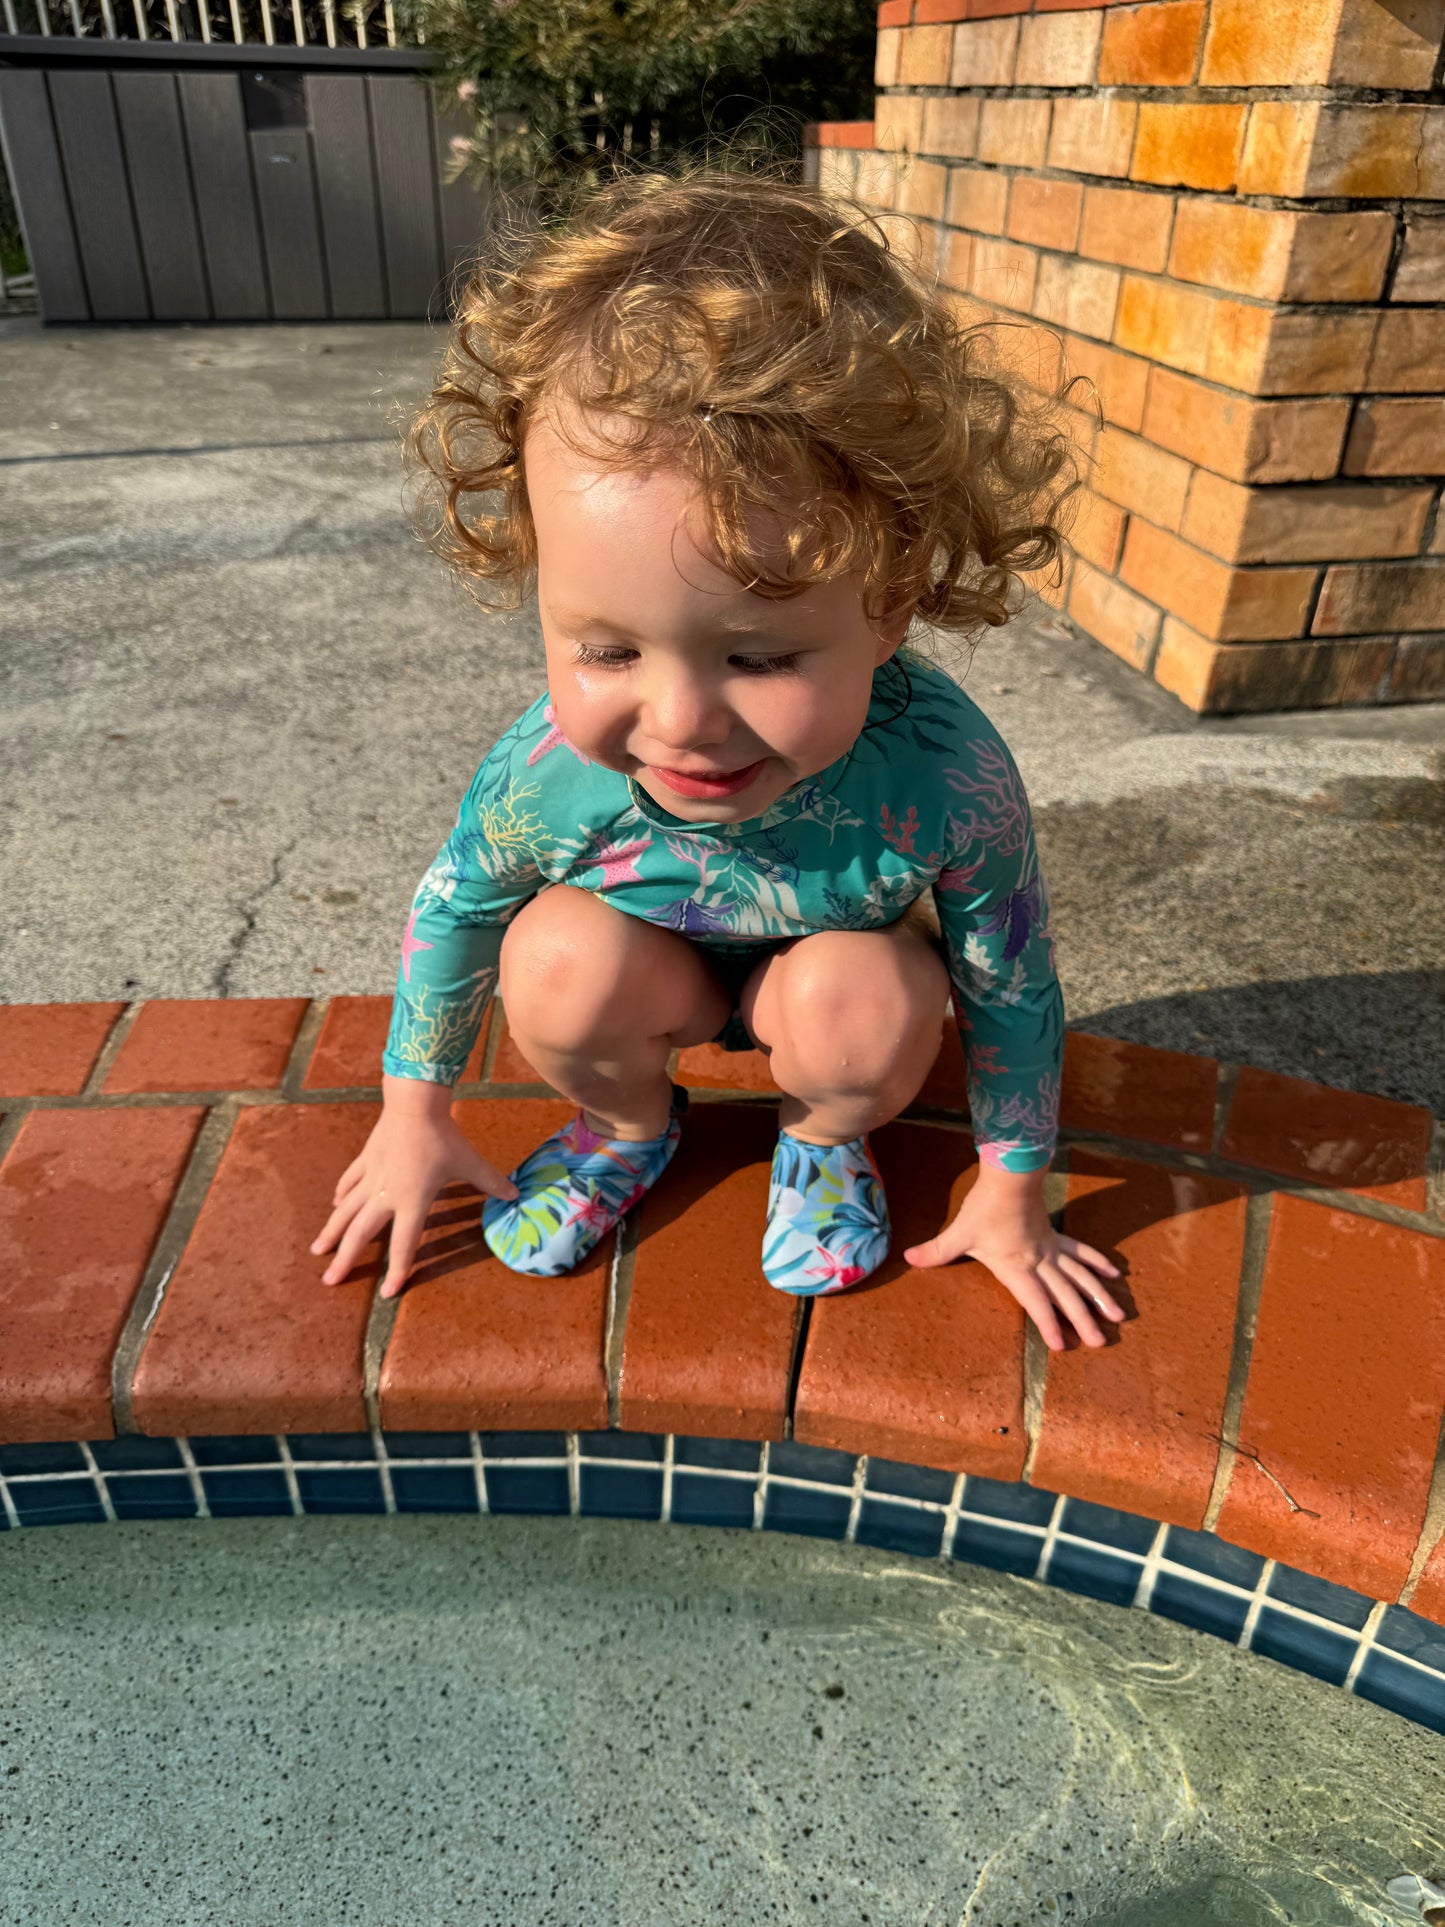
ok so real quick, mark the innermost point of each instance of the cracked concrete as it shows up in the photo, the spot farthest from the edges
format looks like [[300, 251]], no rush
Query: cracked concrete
[[222, 639]]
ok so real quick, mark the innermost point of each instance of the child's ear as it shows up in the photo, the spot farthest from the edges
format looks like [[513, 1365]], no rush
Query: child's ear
[[889, 635]]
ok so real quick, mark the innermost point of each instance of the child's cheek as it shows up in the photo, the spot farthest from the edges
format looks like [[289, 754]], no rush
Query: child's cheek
[[591, 716]]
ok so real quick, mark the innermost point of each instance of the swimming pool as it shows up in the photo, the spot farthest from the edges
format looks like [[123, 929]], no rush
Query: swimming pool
[[583, 1721]]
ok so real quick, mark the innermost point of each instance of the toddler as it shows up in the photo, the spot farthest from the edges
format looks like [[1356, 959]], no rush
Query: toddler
[[741, 445]]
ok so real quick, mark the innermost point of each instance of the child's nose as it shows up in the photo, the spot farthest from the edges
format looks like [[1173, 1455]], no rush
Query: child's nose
[[682, 713]]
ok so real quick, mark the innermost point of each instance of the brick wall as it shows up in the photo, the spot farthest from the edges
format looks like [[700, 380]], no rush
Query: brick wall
[[1230, 216]]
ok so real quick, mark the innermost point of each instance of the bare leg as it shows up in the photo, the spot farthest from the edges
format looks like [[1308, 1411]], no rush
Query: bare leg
[[851, 1020], [598, 1000]]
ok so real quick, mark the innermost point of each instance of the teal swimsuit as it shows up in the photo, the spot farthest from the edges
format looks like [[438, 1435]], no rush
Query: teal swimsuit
[[927, 797]]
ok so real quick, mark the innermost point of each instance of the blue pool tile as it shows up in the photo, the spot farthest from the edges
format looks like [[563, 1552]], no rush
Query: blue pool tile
[[1025, 1505], [699, 1500], [900, 1528], [136, 1455], [1319, 1596], [1205, 1553], [524, 1445], [61, 1456], [1404, 1689], [817, 1462], [1405, 1632], [650, 1447], [807, 1509], [326, 1446], [57, 1502], [1091, 1570], [525, 1488], [1000, 1546], [1124, 1530], [620, 1491], [1311, 1649], [723, 1455], [350, 1489], [1209, 1609], [151, 1495], [910, 1481], [233, 1494], [434, 1488], [235, 1449], [427, 1445]]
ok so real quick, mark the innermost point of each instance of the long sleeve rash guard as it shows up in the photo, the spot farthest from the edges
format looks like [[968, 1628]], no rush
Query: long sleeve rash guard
[[927, 797]]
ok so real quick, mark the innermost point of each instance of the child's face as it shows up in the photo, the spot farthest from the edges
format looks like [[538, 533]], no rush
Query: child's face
[[662, 666]]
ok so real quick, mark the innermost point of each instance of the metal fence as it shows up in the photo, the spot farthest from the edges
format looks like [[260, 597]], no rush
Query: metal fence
[[264, 23]]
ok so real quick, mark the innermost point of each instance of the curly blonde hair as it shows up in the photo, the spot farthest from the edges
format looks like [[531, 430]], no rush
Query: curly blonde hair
[[769, 340]]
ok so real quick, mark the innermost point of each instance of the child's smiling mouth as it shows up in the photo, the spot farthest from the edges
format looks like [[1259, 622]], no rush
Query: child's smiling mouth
[[708, 783]]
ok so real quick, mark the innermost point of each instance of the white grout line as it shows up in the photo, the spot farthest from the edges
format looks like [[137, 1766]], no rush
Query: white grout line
[[479, 1470], [574, 1476], [193, 1473], [102, 1490], [951, 1513], [760, 1490], [383, 1468], [1251, 1619], [1051, 1539], [669, 1445], [860, 1481], [1149, 1571], [12, 1517], [298, 1510], [1366, 1644]]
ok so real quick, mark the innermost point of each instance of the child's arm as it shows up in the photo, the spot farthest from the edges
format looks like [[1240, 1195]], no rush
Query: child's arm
[[446, 977], [993, 913]]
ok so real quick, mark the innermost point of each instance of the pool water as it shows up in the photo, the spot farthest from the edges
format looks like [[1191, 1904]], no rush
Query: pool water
[[430, 1722]]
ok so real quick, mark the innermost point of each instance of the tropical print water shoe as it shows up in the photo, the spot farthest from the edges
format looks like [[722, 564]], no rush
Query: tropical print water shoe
[[827, 1216], [572, 1190]]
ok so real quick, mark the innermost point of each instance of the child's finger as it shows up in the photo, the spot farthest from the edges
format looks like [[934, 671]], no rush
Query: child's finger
[[486, 1177], [1037, 1303], [1089, 1285], [1088, 1254], [348, 1178], [1070, 1303], [362, 1229], [941, 1250], [334, 1226], [405, 1237]]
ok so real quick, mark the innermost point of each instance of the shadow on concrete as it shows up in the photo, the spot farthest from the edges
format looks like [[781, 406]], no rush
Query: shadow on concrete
[[1380, 1032]]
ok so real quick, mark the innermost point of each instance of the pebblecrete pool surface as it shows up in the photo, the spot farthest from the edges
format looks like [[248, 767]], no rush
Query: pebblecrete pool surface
[[514, 1720]]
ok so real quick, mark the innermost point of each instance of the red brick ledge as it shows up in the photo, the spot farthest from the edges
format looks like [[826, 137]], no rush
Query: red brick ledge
[[163, 1168]]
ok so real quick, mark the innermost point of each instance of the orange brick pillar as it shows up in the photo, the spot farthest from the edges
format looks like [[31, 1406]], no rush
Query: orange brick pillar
[[1229, 214]]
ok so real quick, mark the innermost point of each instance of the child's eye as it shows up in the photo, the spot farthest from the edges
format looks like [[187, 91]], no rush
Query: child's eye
[[604, 658], [765, 665]]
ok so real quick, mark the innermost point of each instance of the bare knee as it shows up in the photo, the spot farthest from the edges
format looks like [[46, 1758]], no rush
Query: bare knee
[[853, 1013], [577, 973]]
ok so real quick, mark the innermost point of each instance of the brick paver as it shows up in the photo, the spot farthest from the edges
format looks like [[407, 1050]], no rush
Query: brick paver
[[1338, 1139], [208, 1044], [248, 1338], [83, 1196], [1134, 1424], [1345, 1394], [49, 1050], [482, 1348]]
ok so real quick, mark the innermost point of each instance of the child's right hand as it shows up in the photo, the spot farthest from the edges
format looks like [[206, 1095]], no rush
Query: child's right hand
[[414, 1151]]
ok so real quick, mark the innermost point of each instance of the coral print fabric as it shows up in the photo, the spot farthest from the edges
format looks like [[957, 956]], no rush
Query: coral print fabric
[[928, 797]]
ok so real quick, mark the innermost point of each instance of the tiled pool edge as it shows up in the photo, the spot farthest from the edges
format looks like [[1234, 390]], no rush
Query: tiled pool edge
[[228, 1097], [1375, 1650]]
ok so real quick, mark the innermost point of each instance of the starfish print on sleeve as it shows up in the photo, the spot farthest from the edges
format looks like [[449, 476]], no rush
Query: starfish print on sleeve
[[617, 862], [410, 944]]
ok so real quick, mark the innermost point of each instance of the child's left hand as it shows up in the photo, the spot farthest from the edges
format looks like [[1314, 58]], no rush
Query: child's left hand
[[1004, 1226]]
